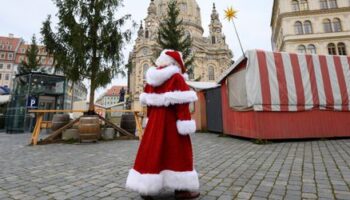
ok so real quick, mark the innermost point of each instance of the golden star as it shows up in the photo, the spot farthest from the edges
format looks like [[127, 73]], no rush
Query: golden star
[[230, 13]]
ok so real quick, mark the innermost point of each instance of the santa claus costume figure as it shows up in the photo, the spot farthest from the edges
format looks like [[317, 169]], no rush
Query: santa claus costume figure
[[164, 159]]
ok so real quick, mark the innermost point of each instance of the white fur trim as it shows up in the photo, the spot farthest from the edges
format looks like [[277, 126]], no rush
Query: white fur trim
[[157, 77], [186, 127], [144, 122], [152, 184], [165, 60], [142, 98], [168, 98]]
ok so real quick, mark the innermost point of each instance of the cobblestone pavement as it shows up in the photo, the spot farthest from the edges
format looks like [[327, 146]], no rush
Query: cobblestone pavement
[[229, 168]]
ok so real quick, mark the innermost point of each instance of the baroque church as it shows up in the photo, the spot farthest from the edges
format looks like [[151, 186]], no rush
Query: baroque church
[[211, 54]]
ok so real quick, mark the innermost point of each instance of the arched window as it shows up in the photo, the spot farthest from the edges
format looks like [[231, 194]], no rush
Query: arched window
[[295, 5], [331, 49], [311, 49], [304, 5], [213, 40], [146, 34], [190, 73], [327, 25], [145, 68], [298, 26], [342, 49], [301, 49], [333, 4], [323, 4], [337, 25], [211, 74], [188, 34], [307, 27]]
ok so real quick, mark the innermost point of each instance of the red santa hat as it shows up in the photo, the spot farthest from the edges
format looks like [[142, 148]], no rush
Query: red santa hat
[[168, 57]]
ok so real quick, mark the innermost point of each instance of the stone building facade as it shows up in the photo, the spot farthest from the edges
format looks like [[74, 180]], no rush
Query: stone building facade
[[311, 26], [8, 49], [211, 54]]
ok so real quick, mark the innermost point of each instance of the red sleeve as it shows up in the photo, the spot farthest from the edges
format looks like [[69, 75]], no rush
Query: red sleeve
[[185, 125]]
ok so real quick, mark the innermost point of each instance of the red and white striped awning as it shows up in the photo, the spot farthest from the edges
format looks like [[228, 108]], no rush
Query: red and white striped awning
[[297, 82]]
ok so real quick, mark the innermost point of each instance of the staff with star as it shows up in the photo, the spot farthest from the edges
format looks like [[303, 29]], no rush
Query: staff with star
[[230, 14]]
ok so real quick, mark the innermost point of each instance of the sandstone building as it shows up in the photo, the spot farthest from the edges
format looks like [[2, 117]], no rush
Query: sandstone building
[[311, 26], [211, 54]]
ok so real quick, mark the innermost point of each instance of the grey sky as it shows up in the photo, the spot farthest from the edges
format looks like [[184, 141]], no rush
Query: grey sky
[[24, 18]]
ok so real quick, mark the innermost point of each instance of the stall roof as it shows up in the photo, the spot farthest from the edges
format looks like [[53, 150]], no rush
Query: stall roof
[[202, 85], [230, 69], [281, 81]]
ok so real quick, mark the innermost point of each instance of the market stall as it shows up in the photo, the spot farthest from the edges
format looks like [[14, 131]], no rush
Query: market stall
[[270, 95]]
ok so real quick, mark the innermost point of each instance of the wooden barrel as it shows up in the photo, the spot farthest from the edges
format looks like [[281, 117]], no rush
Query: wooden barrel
[[59, 120], [128, 122], [89, 128]]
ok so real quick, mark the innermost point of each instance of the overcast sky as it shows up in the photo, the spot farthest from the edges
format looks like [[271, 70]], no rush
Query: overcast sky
[[24, 18]]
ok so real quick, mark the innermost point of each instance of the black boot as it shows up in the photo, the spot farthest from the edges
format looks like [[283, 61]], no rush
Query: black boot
[[146, 197], [186, 194]]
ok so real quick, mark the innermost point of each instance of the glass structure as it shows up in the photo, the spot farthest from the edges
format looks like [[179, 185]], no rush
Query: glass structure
[[33, 91]]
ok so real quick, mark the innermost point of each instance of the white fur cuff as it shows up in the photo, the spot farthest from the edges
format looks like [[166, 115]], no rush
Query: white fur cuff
[[186, 127]]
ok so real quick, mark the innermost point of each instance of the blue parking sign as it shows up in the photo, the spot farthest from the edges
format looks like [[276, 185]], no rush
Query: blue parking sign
[[32, 102]]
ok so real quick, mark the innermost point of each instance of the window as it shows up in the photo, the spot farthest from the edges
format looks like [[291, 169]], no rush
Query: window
[[331, 49], [7, 77], [333, 4], [342, 49], [190, 75], [43, 60], [323, 4], [145, 68], [298, 26], [1, 66], [190, 72], [0, 76], [183, 7], [337, 25], [327, 25], [10, 56], [8, 66], [311, 49], [146, 34], [304, 5], [301, 49], [295, 5], [2, 56], [213, 40], [211, 75], [307, 27], [188, 34]]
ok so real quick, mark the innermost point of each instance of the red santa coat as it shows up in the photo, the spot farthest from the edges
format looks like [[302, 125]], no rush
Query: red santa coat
[[164, 159]]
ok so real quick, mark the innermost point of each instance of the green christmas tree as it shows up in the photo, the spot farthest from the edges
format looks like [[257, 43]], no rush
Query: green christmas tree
[[88, 42], [171, 34], [32, 61]]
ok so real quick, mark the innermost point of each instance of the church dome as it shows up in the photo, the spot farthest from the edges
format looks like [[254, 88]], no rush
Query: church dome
[[189, 12]]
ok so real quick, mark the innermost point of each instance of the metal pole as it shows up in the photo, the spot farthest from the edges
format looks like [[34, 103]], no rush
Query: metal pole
[[239, 40]]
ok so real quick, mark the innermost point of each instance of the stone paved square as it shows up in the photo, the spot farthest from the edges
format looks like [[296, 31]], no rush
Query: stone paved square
[[229, 168]]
